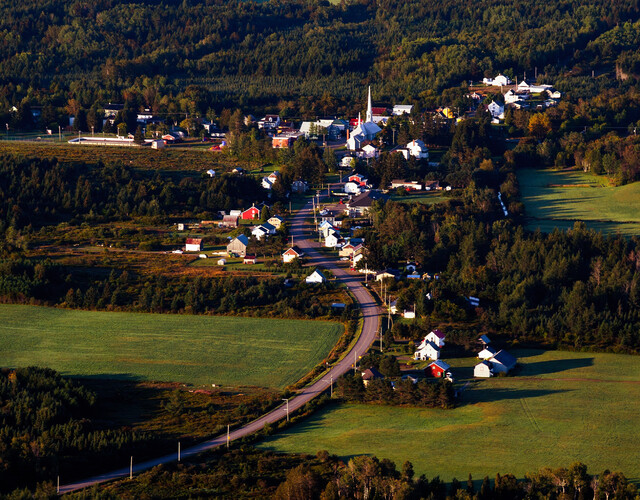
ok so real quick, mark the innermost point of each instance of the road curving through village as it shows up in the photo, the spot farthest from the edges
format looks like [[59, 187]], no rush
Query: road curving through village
[[370, 326]]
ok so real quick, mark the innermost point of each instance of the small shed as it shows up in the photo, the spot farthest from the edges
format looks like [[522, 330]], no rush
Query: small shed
[[438, 369], [483, 370], [222, 262], [249, 259]]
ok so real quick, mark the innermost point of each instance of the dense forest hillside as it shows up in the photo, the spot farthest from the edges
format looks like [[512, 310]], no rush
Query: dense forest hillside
[[190, 56]]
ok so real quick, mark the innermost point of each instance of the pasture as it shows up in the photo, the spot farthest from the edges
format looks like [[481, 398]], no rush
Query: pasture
[[561, 407], [200, 350], [557, 199]]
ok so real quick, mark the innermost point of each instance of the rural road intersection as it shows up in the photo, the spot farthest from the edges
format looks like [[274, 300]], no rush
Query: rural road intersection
[[371, 324]]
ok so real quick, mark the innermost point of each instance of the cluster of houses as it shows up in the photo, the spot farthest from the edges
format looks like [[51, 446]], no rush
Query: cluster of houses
[[429, 349], [523, 95], [492, 361]]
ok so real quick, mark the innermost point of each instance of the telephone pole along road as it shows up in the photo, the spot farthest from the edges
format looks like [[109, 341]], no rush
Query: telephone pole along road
[[371, 324]]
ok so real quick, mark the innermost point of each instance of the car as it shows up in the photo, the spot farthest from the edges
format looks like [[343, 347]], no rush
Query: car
[[345, 258]]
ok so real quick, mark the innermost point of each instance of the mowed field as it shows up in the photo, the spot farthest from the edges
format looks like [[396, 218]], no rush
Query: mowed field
[[556, 199], [562, 407], [173, 348]]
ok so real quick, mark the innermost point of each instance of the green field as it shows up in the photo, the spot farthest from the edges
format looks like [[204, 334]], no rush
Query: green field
[[557, 199], [560, 408], [178, 348], [426, 197]]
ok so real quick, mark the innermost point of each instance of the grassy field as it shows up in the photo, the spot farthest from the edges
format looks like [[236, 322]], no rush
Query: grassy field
[[189, 349], [559, 198], [560, 408], [426, 197]]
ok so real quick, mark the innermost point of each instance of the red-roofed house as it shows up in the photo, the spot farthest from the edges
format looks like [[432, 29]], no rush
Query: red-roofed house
[[359, 179], [437, 337], [193, 245], [250, 213], [291, 254]]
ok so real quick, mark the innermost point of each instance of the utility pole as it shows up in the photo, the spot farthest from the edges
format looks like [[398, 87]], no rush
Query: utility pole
[[131, 468], [332, 385], [59, 133], [380, 339], [58, 487], [286, 400], [228, 436], [178, 451], [355, 361]]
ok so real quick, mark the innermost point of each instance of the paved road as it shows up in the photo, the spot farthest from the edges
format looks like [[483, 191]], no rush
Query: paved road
[[371, 314]]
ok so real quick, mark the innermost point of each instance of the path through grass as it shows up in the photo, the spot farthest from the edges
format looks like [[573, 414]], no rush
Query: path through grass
[[175, 348]]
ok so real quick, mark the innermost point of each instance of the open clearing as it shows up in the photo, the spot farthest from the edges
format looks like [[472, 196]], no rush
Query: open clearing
[[162, 347], [557, 199], [561, 407]]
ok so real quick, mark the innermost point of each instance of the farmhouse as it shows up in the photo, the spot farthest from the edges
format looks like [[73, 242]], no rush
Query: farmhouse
[[496, 110], [291, 254], [498, 81], [276, 221], [483, 370], [238, 246], [193, 245], [332, 240], [427, 350], [438, 368], [437, 337], [259, 232], [418, 149], [503, 362], [315, 277], [269, 123]]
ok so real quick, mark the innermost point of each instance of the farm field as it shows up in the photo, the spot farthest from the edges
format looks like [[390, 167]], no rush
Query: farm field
[[561, 407], [557, 199], [426, 197], [198, 350]]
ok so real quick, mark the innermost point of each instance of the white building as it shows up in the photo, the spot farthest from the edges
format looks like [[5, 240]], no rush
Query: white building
[[487, 353], [428, 350], [436, 336], [483, 370], [496, 110], [332, 240], [401, 109], [315, 277], [352, 188], [366, 131], [498, 81], [418, 149]]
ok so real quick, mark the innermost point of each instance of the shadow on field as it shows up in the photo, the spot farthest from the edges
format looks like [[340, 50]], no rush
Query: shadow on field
[[553, 366], [484, 393]]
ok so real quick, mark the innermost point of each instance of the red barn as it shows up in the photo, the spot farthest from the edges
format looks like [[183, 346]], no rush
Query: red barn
[[250, 213], [437, 369]]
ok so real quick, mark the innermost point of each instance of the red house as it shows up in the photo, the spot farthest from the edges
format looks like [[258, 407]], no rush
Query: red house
[[437, 369], [250, 213]]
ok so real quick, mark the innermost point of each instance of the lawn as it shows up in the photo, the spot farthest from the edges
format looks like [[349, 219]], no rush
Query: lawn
[[560, 408], [559, 198], [178, 348], [426, 197]]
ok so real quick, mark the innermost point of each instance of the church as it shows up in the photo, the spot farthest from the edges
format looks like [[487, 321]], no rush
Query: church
[[366, 131]]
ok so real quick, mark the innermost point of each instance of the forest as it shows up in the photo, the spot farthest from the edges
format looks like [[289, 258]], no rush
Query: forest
[[300, 58]]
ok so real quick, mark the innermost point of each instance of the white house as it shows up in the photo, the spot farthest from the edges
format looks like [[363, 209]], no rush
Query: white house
[[487, 353], [483, 370], [418, 149], [346, 161], [315, 277], [503, 362], [291, 254], [368, 151], [401, 109], [332, 240], [429, 350], [437, 337], [193, 245], [498, 81], [534, 89], [259, 232], [211, 172], [276, 221], [352, 188], [496, 110]]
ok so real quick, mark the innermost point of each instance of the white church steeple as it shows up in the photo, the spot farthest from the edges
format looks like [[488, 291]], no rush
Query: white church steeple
[[369, 117]]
